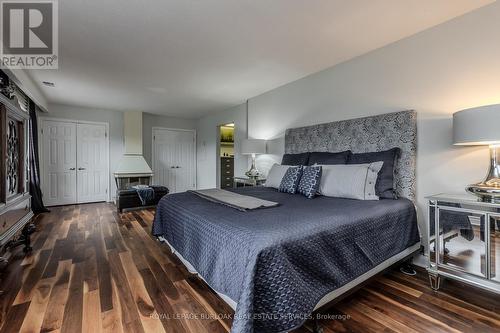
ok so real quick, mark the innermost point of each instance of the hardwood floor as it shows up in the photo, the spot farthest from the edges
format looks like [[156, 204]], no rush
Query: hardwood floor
[[92, 270]]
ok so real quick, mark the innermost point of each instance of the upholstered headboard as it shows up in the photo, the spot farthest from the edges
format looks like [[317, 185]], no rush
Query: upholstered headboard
[[376, 133]]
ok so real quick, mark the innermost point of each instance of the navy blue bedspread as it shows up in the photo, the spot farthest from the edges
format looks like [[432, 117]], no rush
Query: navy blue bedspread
[[277, 263]]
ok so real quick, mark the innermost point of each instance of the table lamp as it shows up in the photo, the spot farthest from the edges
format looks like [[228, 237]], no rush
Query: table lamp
[[481, 126], [253, 147]]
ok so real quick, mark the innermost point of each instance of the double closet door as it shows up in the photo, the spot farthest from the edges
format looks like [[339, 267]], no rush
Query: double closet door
[[174, 159], [74, 160]]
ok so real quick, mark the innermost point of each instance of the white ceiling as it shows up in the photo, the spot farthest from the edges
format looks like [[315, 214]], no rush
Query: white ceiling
[[188, 57]]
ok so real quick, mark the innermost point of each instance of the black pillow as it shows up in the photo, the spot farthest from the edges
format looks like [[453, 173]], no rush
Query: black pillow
[[295, 159], [328, 158], [384, 187]]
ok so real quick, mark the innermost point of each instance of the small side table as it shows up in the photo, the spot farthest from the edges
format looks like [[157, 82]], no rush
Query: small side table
[[463, 241], [246, 181]]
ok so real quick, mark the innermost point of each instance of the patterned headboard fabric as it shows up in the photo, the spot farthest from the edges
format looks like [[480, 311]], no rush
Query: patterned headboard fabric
[[361, 135]]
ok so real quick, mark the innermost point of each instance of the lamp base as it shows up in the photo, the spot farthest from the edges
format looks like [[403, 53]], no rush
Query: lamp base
[[252, 173], [489, 189], [485, 193]]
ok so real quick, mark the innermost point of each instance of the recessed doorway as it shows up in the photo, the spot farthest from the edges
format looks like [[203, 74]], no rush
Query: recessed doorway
[[225, 155]]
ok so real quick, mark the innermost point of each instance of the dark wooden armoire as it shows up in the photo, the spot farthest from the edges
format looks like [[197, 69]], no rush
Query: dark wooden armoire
[[15, 199]]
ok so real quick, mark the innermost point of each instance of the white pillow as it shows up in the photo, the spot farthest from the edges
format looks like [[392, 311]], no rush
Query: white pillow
[[352, 181], [275, 175]]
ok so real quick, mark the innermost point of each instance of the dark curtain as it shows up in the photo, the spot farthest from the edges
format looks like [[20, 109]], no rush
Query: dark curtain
[[35, 191]]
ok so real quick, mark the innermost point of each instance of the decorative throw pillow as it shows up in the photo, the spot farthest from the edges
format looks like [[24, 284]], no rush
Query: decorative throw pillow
[[355, 181], [275, 175], [295, 159], [309, 181], [385, 180], [291, 180]]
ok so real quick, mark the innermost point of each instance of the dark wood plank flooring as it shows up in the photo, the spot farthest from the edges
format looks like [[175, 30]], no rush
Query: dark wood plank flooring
[[93, 270]]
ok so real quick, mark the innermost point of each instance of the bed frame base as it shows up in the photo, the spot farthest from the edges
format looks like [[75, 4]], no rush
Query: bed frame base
[[405, 261], [405, 264]]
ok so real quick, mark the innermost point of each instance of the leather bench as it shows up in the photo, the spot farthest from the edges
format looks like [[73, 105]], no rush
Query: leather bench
[[128, 199]]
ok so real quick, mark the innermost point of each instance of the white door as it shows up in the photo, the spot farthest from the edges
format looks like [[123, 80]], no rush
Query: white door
[[174, 159], [59, 163], [92, 163], [74, 162]]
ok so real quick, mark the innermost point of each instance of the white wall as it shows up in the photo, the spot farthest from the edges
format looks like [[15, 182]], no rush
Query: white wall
[[151, 120], [207, 140], [437, 72]]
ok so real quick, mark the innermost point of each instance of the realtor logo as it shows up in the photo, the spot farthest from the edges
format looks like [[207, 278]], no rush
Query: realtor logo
[[29, 34]]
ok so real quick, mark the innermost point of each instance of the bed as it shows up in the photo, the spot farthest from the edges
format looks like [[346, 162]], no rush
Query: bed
[[275, 266]]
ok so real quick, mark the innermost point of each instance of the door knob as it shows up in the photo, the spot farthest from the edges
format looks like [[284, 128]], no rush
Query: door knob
[[81, 168], [72, 168]]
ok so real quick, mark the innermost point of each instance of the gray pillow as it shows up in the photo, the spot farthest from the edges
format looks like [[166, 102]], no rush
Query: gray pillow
[[275, 175], [385, 179], [355, 181]]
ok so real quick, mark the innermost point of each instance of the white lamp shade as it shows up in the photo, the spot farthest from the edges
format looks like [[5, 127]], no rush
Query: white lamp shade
[[253, 146], [477, 126]]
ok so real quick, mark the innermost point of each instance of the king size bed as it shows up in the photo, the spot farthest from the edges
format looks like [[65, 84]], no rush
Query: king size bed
[[276, 265]]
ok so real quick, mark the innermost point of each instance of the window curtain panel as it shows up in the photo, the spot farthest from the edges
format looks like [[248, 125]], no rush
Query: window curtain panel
[[36, 193]]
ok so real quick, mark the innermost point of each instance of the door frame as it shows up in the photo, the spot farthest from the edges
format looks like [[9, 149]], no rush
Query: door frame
[[42, 119], [195, 150]]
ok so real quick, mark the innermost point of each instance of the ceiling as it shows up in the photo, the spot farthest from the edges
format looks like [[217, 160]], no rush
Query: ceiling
[[188, 57]]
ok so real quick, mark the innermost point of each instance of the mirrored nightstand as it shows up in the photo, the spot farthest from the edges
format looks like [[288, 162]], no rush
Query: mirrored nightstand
[[463, 241], [245, 181]]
